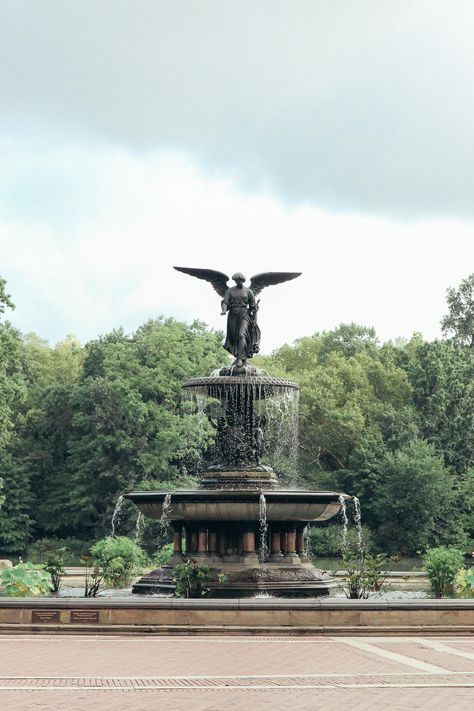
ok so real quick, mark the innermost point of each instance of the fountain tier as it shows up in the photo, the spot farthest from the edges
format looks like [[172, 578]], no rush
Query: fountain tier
[[247, 531]]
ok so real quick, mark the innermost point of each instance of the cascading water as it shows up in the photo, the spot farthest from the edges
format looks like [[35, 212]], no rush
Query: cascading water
[[307, 541], [165, 514], [138, 527], [345, 522], [164, 521], [358, 523], [281, 433], [263, 528], [116, 514]]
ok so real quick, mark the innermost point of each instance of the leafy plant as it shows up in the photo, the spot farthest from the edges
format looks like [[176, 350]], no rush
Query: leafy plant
[[55, 567], [24, 580], [464, 582], [192, 580], [164, 554], [92, 577], [441, 565], [120, 559], [364, 573]]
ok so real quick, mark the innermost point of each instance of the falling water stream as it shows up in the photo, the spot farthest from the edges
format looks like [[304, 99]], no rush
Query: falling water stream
[[138, 527], [165, 513], [345, 522], [116, 515], [358, 523], [263, 548]]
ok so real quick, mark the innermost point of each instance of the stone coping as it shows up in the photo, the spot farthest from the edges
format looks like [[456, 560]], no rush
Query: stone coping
[[291, 604]]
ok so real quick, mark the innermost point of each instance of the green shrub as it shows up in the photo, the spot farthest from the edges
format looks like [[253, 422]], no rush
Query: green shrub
[[163, 556], [25, 580], [441, 565], [120, 559], [464, 582], [365, 573], [55, 567], [93, 576], [192, 580]]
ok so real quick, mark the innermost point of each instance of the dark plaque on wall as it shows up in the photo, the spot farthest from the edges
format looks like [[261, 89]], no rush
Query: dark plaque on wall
[[45, 616], [85, 616]]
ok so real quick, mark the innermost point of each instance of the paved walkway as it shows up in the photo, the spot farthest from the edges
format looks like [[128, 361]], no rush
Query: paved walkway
[[213, 674]]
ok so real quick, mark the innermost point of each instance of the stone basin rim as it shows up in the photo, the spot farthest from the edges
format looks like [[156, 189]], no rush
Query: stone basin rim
[[223, 380], [243, 495]]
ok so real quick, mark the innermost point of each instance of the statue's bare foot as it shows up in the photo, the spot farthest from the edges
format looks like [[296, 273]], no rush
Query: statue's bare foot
[[238, 363]]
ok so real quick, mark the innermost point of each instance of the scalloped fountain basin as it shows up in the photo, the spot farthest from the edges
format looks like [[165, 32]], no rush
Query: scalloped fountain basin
[[224, 505]]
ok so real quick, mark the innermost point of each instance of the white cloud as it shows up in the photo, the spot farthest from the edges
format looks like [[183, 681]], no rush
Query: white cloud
[[354, 105], [112, 263]]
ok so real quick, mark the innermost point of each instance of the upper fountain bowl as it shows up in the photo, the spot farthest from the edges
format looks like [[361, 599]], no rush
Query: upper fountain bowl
[[225, 505]]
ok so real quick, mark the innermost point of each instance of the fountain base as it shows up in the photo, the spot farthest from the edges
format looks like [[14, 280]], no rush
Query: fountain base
[[245, 579]]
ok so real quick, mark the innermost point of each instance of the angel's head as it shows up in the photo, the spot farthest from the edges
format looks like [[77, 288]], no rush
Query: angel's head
[[239, 278]]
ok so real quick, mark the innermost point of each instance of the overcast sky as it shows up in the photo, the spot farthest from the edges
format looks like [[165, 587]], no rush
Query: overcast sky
[[333, 138]]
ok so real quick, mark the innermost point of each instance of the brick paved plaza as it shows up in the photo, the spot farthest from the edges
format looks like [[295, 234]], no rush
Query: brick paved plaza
[[203, 673]]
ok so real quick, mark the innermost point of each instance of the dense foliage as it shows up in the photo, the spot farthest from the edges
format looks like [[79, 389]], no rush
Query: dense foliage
[[25, 580], [442, 565], [120, 560], [390, 423]]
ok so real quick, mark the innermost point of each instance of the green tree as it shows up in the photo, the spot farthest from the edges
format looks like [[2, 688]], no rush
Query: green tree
[[441, 374], [12, 391], [350, 399], [127, 427], [459, 321], [414, 500], [5, 299]]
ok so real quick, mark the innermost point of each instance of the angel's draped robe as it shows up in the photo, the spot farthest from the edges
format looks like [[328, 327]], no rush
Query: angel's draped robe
[[243, 333]]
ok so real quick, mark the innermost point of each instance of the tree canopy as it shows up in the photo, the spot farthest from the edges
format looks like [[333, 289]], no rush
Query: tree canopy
[[390, 423]]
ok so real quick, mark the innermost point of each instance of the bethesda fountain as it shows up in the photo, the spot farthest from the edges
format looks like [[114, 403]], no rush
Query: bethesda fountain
[[248, 530]]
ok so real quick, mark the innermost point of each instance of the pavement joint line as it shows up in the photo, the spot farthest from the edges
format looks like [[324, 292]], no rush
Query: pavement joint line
[[185, 677], [440, 647], [393, 656], [184, 640], [239, 688]]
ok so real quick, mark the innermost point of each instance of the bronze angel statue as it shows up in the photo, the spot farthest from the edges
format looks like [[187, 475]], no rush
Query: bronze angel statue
[[241, 306]]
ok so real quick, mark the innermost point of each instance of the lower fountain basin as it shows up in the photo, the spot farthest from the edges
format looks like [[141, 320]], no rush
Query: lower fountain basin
[[224, 505]]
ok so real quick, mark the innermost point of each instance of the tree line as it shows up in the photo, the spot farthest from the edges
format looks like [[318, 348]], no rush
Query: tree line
[[391, 423]]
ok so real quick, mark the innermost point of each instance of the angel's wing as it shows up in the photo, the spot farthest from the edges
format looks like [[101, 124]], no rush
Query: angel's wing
[[260, 281], [217, 279]]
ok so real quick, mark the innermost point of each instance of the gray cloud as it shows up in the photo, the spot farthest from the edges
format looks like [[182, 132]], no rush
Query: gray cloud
[[360, 105]]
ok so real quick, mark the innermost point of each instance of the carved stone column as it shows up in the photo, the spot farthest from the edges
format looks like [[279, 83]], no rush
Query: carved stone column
[[300, 546], [194, 542], [187, 539], [212, 543], [177, 541], [249, 556], [290, 554], [221, 542], [202, 542], [291, 542], [276, 547]]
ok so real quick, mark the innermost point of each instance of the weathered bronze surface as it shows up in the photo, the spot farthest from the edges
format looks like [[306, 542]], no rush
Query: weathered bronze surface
[[247, 531], [240, 304]]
